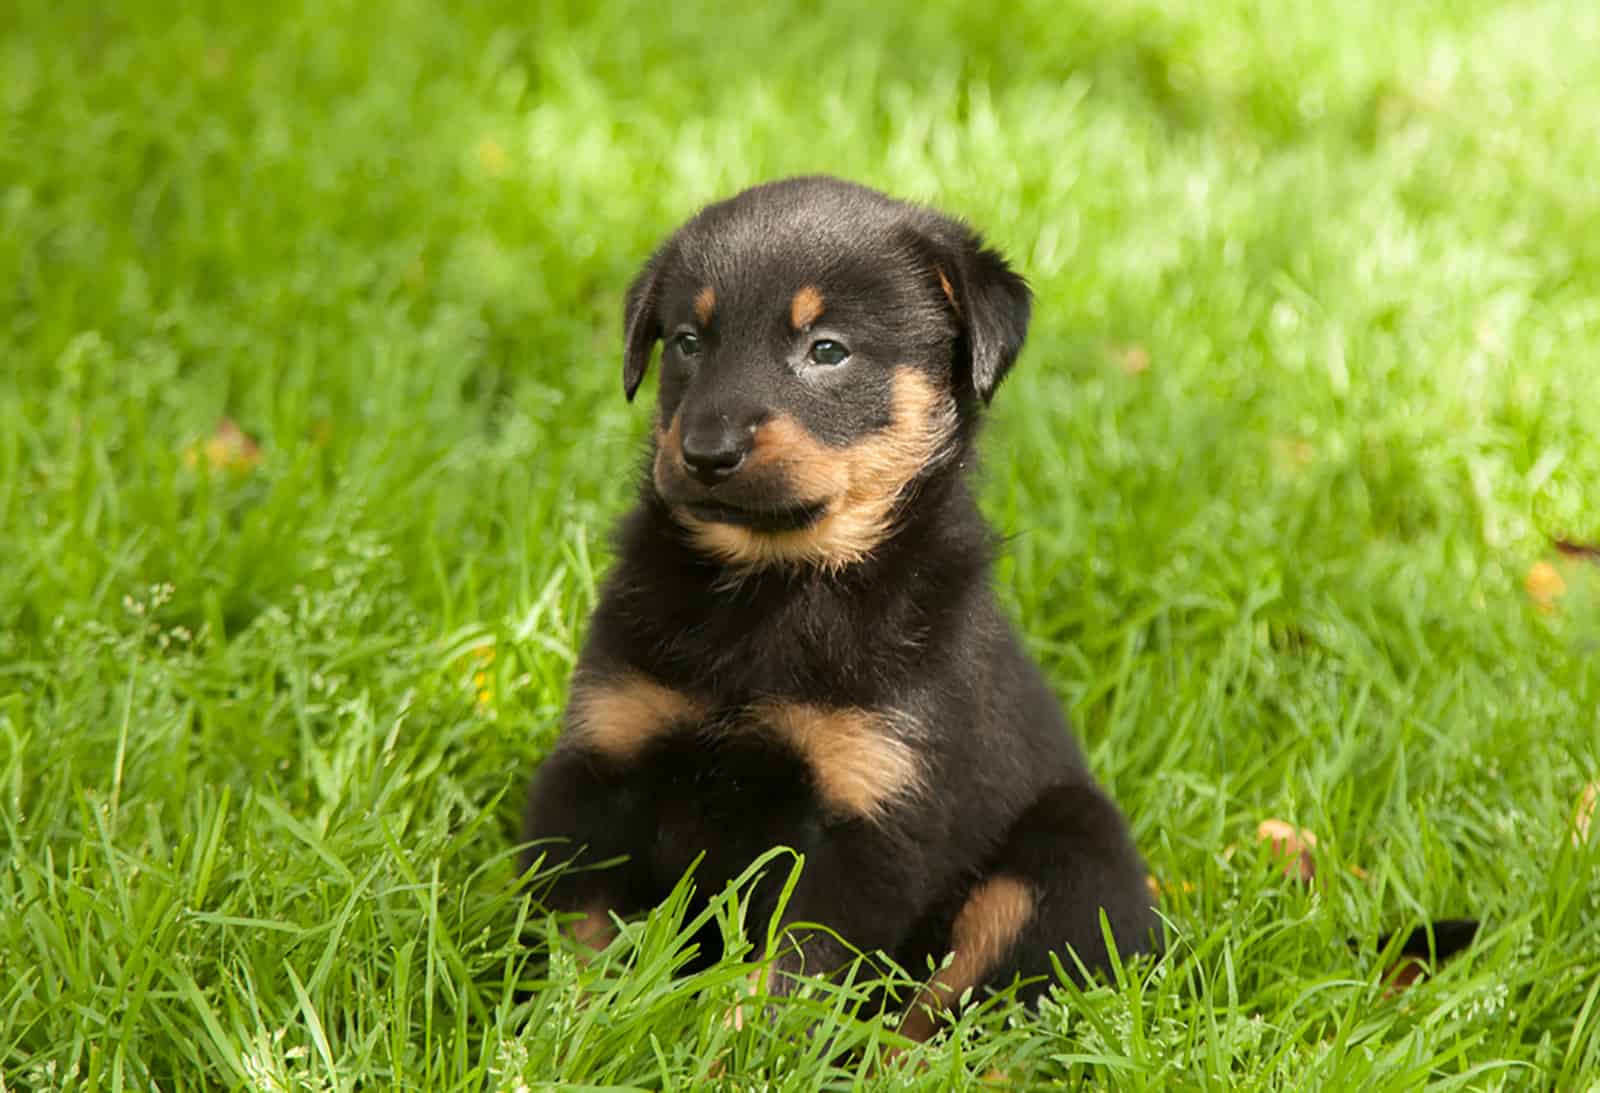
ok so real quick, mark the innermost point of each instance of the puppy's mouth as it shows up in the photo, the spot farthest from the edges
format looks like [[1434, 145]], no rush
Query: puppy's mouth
[[788, 518]]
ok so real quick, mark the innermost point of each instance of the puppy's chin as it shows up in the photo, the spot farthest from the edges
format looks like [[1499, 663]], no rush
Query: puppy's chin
[[763, 507], [790, 517]]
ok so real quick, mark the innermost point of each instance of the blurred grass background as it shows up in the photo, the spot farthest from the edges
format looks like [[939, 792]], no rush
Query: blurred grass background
[[1311, 388]]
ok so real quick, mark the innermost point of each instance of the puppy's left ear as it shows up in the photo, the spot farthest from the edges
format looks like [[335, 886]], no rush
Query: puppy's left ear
[[992, 304], [641, 323]]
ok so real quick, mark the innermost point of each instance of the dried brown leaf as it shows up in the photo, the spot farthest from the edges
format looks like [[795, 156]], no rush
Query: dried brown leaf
[[1294, 454], [228, 448], [1291, 844], [1545, 585], [1132, 359]]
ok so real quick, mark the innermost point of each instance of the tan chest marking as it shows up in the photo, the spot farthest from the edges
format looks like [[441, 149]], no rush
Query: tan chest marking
[[618, 715], [862, 760], [988, 924]]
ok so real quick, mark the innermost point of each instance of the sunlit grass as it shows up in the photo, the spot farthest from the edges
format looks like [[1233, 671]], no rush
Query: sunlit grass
[[1311, 387]]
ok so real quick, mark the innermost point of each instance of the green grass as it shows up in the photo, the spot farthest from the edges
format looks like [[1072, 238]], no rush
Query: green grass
[[259, 775]]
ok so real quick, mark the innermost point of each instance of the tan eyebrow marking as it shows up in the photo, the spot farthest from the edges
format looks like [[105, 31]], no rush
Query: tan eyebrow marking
[[705, 304], [805, 308]]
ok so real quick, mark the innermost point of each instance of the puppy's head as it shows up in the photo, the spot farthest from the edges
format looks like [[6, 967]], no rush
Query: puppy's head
[[823, 349]]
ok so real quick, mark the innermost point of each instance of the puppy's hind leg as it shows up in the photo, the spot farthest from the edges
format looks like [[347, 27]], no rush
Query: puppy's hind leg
[[1068, 857], [1073, 848]]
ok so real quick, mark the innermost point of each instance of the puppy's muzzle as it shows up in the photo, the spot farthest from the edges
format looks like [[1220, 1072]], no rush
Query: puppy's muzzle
[[716, 465], [715, 445]]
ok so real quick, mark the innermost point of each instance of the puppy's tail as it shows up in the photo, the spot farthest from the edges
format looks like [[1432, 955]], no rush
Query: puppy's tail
[[1434, 940], [1424, 947]]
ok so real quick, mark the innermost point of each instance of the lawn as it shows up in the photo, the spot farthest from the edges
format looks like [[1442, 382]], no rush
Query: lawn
[[1312, 390]]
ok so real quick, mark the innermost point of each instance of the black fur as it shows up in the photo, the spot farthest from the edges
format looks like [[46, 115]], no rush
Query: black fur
[[912, 627]]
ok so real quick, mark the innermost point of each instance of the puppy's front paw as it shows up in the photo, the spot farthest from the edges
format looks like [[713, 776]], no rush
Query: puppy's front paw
[[758, 984]]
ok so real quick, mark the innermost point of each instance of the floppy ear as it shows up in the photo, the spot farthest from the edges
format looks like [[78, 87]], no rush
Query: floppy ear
[[641, 323], [992, 305]]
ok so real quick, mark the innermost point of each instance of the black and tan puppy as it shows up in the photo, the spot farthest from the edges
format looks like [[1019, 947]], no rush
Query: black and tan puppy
[[799, 645]]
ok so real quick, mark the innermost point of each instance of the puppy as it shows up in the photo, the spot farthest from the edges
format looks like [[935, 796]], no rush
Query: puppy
[[798, 645]]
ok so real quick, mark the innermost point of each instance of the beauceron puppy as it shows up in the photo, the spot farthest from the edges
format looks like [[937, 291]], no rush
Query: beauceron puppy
[[799, 646]]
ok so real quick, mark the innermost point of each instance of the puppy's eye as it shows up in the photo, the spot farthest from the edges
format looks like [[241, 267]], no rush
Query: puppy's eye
[[687, 344], [829, 352]]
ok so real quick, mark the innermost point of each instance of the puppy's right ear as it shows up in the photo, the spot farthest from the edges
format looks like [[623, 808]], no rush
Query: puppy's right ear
[[641, 323]]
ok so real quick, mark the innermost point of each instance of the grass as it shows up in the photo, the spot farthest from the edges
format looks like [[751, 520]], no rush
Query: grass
[[265, 726]]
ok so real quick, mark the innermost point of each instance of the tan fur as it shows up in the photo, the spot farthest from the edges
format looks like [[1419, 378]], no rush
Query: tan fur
[[758, 984], [705, 304], [860, 484], [811, 470], [805, 308], [994, 915], [949, 293], [668, 444], [594, 930], [862, 760], [618, 715]]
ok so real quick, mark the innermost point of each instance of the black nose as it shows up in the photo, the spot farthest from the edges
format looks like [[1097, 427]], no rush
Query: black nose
[[713, 448]]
